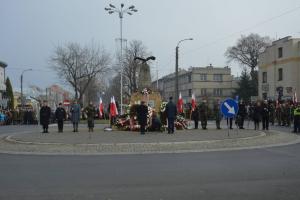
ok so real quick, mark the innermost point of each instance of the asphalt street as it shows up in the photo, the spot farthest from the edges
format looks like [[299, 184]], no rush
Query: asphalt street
[[272, 173], [268, 173]]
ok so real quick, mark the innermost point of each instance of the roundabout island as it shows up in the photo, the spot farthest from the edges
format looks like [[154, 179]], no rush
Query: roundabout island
[[101, 142]]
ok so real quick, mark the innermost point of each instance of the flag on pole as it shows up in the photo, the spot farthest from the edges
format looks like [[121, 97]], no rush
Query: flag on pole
[[101, 108], [180, 104], [193, 102], [113, 107]]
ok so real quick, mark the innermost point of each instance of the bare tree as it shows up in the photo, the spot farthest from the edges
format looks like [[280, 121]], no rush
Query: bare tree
[[246, 52], [131, 66], [78, 65]]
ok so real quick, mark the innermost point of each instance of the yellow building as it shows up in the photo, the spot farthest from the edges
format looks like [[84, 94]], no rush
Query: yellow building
[[279, 69]]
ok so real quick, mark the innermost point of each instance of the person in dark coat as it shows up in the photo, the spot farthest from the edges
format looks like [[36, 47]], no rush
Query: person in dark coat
[[265, 114], [171, 111], [203, 115], [257, 115], [60, 116], [142, 116], [90, 112], [195, 116], [241, 114], [45, 113], [75, 115]]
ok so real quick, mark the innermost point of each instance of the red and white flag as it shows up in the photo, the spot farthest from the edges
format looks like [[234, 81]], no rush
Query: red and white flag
[[295, 99], [101, 108], [193, 102], [113, 107], [180, 104]]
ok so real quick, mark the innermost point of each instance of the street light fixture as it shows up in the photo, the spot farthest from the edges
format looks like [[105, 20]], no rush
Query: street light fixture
[[176, 69], [121, 11], [22, 98]]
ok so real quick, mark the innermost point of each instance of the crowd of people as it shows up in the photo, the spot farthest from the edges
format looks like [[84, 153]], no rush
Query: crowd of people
[[283, 113], [23, 116], [280, 113]]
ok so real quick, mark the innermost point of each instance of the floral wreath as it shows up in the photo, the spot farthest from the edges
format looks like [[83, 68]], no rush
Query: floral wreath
[[146, 91]]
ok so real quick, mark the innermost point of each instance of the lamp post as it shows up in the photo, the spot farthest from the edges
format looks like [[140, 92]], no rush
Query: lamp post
[[176, 69], [22, 98], [121, 11]]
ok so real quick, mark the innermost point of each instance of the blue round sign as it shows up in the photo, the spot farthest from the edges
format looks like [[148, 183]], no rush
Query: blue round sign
[[229, 108]]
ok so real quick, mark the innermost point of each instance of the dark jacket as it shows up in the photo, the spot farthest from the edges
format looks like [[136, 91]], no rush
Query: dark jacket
[[142, 114], [242, 110], [171, 110], [45, 114], [265, 112], [90, 112], [195, 114], [60, 114], [257, 112]]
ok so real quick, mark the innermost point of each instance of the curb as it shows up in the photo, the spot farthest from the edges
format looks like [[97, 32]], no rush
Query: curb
[[142, 151]]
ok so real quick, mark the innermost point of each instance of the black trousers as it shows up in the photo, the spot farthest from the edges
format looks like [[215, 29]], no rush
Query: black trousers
[[230, 122], [265, 123], [241, 122], [60, 124], [143, 128], [297, 124], [196, 123], [45, 127], [75, 126], [171, 125]]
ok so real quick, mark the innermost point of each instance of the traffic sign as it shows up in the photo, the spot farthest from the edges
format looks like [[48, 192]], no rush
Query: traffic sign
[[66, 102], [229, 108]]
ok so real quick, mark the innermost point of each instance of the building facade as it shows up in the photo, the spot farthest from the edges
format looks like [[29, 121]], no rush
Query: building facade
[[3, 100], [206, 83], [279, 69], [55, 95]]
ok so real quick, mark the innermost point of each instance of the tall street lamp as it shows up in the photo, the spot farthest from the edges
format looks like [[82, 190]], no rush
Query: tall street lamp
[[22, 98], [176, 69], [121, 11]]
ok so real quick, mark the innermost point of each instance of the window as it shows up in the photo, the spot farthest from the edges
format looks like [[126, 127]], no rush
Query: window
[[280, 74], [218, 92], [265, 96], [218, 77], [190, 78], [190, 92], [203, 91], [264, 77], [203, 77], [280, 52]]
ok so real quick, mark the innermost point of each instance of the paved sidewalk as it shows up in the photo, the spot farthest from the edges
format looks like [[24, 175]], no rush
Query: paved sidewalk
[[119, 142]]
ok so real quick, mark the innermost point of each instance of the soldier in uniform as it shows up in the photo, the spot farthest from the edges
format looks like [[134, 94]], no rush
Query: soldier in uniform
[[218, 115], [203, 115], [272, 113], [284, 114], [265, 115], [278, 114], [90, 112], [60, 115], [45, 114], [241, 114], [195, 116]]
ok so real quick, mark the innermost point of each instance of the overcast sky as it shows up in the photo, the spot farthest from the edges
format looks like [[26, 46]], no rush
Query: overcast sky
[[30, 29]]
